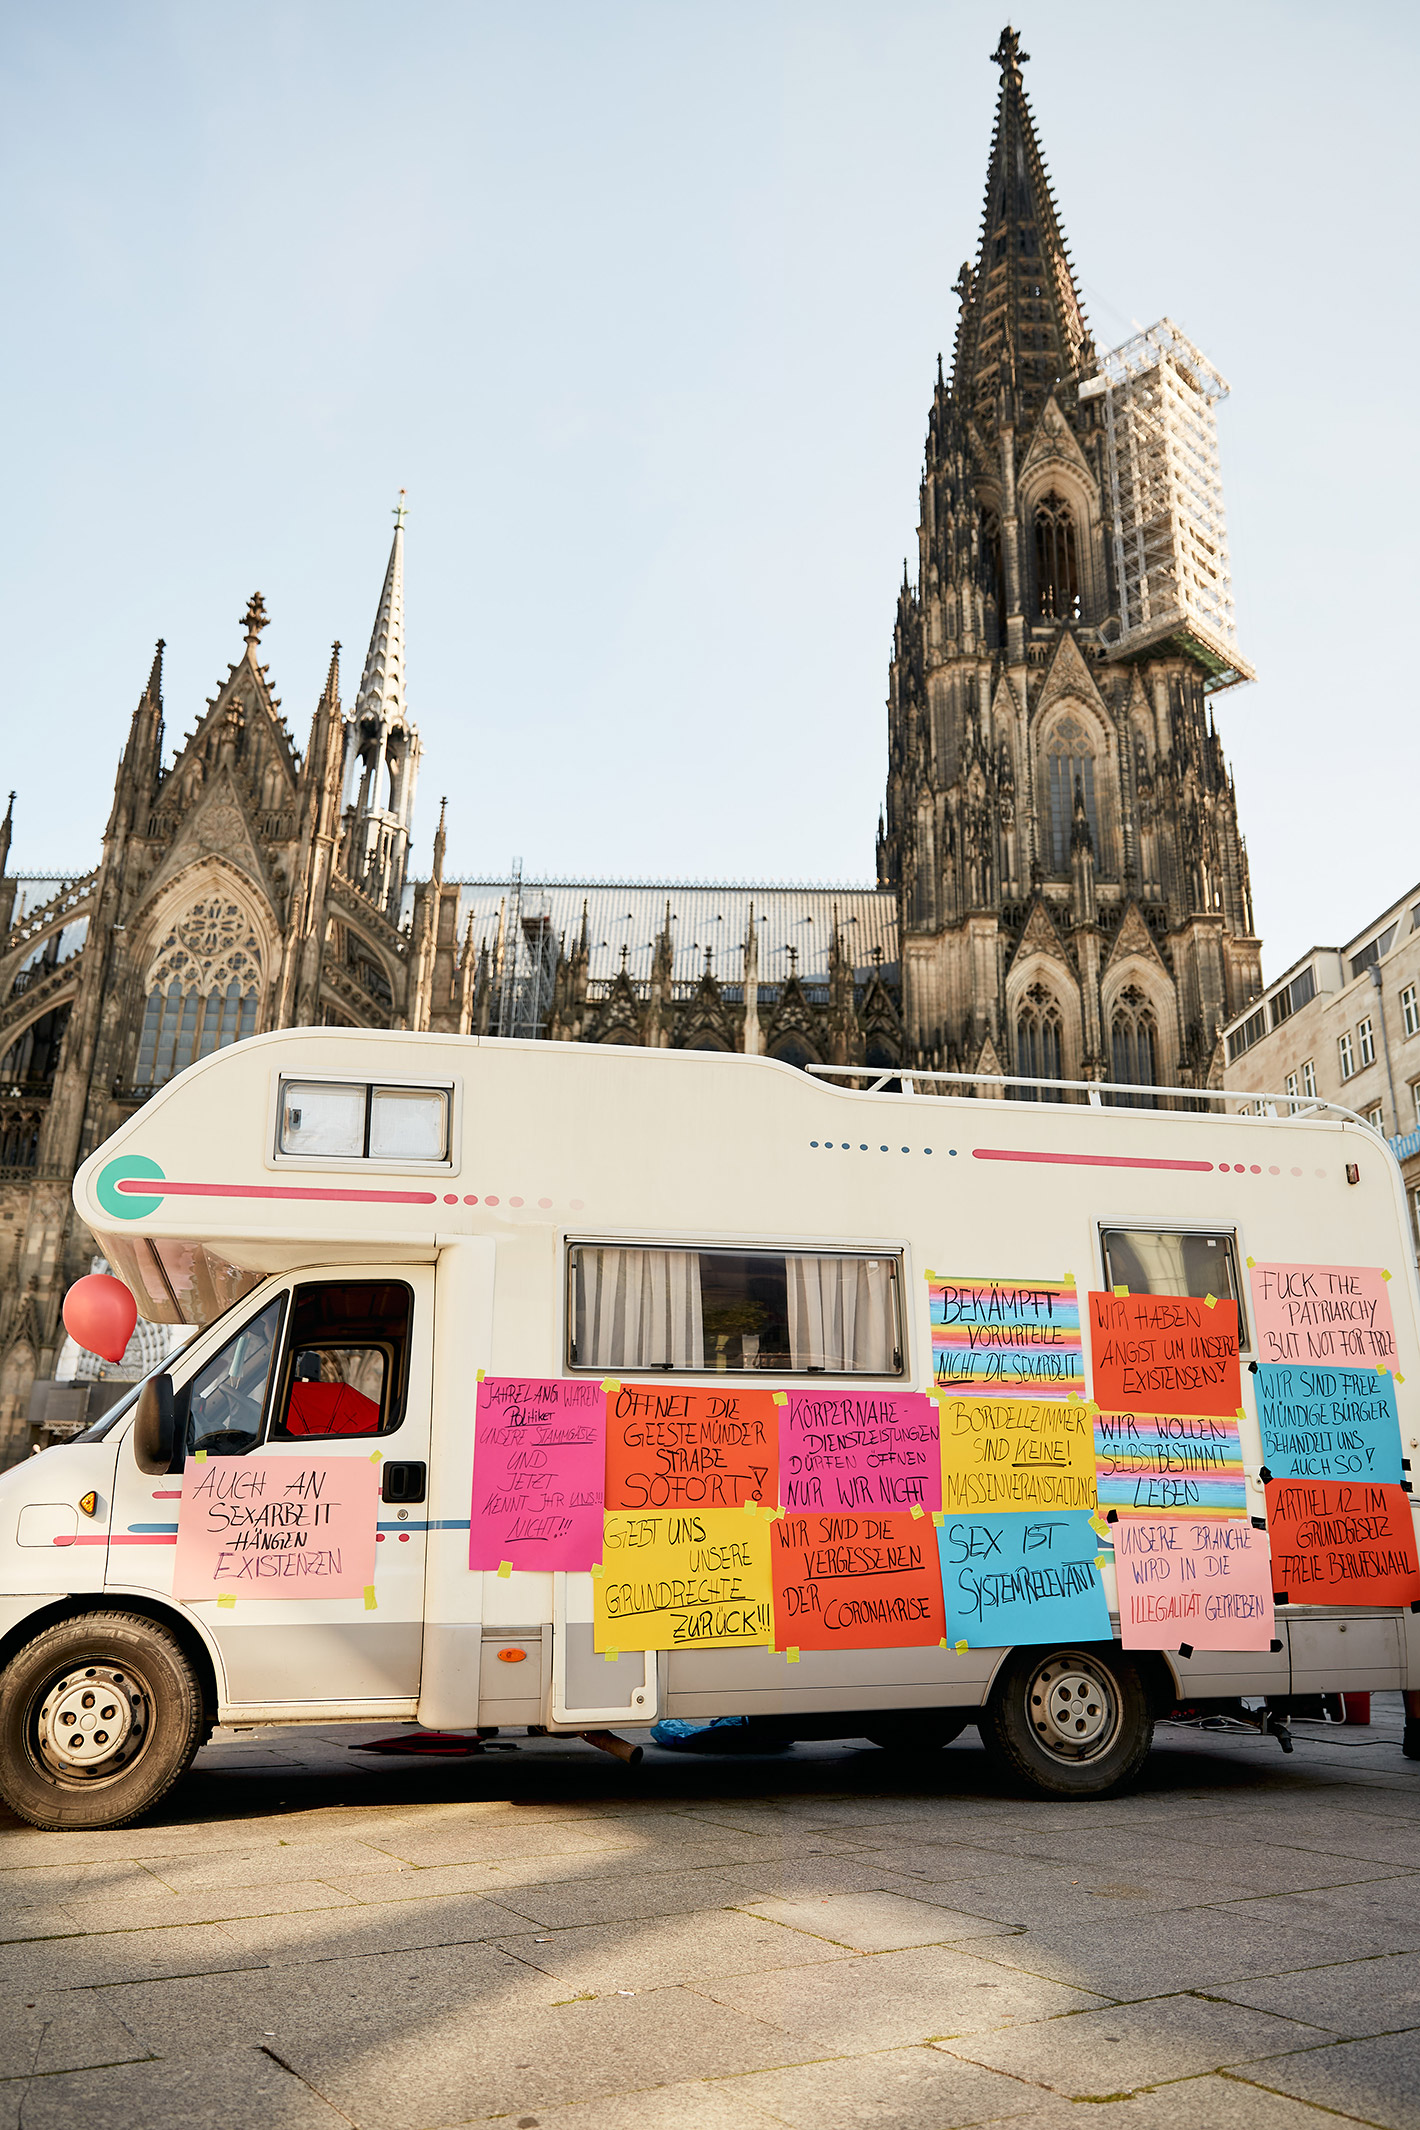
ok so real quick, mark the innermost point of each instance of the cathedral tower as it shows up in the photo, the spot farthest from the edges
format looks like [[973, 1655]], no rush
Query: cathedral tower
[[1061, 827]]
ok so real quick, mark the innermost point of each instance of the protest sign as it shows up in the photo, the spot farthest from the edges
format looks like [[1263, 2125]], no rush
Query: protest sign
[[539, 1454], [691, 1580], [1011, 1453], [1328, 1423], [274, 1526], [857, 1582], [1010, 1337], [1177, 1463], [675, 1447], [1200, 1582], [1335, 1314], [1339, 1542], [846, 1449], [1010, 1579], [1165, 1353]]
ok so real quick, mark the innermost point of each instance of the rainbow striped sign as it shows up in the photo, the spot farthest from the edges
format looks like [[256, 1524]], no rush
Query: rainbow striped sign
[[1011, 1337], [1163, 1464]]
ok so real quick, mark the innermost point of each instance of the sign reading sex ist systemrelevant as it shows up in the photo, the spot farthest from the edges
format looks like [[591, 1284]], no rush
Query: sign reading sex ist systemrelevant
[[276, 1527]]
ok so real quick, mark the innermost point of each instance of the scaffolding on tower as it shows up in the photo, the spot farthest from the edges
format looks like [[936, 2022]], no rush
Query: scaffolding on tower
[[1169, 527], [527, 953]]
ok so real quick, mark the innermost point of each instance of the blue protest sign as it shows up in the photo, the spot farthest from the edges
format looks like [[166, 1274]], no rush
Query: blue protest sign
[[1328, 1423], [1022, 1578]]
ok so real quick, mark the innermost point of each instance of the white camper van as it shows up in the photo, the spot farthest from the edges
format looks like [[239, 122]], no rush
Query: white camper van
[[411, 1210]]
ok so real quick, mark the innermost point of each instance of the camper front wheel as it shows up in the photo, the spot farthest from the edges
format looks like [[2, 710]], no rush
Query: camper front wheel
[[99, 1715], [1068, 1722]]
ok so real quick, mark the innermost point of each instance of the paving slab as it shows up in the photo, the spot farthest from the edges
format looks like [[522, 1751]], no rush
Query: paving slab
[[673, 1949], [1354, 1997], [886, 2089], [1215, 2101], [1376, 2080], [1095, 2055], [875, 1922], [196, 2090]]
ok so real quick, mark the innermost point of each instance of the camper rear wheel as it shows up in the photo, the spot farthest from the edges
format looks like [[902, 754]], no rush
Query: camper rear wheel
[[924, 1730], [1068, 1722], [99, 1715]]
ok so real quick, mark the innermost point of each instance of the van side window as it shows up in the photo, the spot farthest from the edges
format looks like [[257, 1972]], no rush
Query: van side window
[[708, 1311], [226, 1399], [1170, 1261], [346, 1360]]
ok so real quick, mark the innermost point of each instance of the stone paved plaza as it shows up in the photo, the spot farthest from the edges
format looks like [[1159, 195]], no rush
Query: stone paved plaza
[[305, 1937]]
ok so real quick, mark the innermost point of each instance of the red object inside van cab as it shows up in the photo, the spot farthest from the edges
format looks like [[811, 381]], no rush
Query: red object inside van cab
[[331, 1409]]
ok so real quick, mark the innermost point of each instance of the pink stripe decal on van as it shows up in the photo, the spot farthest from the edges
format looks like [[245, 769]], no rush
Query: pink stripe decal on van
[[148, 1187], [1072, 1161]]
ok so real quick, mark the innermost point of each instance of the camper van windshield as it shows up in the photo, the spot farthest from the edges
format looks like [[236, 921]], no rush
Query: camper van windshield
[[703, 1311]]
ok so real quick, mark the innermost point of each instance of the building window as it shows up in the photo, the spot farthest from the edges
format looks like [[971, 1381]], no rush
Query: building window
[[1346, 1055], [1292, 1085], [1415, 1195], [1308, 1077], [1410, 1010], [1375, 1118], [1037, 1041], [1366, 1041], [1134, 1046], [1070, 765], [1415, 1097], [1057, 568], [203, 987]]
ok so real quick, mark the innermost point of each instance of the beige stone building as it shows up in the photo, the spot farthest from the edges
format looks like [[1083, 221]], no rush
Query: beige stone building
[[1343, 1023]]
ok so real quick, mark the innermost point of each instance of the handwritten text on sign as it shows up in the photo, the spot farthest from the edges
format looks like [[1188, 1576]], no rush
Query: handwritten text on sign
[[1180, 1463], [539, 1453], [1328, 1423], [1336, 1314], [1338, 1543], [1006, 1336], [1013, 1453], [1204, 1581], [857, 1582], [859, 1450], [673, 1447], [683, 1580], [1164, 1353], [276, 1527], [1009, 1579]]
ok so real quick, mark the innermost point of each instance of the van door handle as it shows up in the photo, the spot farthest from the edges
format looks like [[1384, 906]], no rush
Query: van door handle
[[403, 1482]]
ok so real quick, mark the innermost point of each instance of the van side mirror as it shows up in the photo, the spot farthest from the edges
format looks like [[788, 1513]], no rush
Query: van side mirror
[[153, 1426]]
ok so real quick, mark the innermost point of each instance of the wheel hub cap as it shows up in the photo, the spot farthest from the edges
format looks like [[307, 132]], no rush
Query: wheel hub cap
[[92, 1720], [1072, 1709]]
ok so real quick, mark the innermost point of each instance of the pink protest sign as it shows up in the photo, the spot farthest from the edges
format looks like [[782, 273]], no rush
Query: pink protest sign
[[857, 1449], [539, 1466], [1337, 1314], [276, 1526], [1201, 1582]]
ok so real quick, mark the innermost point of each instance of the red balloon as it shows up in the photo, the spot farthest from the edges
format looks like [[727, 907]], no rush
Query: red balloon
[[99, 1315]]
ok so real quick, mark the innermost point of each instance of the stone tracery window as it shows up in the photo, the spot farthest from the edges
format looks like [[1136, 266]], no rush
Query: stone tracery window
[[204, 986], [1057, 561], [1070, 761], [1134, 1047], [1037, 1041]]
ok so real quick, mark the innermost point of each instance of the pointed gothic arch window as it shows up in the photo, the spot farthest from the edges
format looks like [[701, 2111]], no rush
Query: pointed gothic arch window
[[1134, 1047], [993, 558], [1070, 762], [204, 986], [30, 1063], [1037, 1041], [1057, 562]]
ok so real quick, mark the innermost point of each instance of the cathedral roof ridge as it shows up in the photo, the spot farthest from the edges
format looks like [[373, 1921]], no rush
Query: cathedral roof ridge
[[582, 880]]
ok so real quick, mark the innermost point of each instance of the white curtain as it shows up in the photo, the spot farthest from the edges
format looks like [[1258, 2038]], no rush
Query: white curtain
[[639, 1309], [842, 1315]]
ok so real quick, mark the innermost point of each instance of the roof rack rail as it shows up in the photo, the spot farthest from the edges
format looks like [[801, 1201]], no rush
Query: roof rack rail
[[1284, 1107]]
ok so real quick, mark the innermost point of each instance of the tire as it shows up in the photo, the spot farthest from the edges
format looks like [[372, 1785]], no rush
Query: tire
[[1068, 1722], [120, 1683], [924, 1730]]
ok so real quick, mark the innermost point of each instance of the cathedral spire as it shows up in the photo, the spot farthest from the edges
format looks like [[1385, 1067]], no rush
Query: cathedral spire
[[154, 689], [7, 830], [384, 746], [1022, 326], [381, 698]]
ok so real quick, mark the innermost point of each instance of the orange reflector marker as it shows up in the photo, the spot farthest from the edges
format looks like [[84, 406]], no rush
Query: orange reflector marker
[[512, 1656]]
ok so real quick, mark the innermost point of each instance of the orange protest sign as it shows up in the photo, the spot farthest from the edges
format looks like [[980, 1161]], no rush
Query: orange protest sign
[[870, 1581], [674, 1446], [1164, 1353]]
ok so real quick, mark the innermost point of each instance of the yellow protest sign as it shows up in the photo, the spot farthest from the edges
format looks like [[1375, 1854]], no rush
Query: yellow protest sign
[[691, 1580], [1000, 1454]]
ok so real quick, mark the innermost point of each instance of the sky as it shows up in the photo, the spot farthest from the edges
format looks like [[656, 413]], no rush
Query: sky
[[641, 304]]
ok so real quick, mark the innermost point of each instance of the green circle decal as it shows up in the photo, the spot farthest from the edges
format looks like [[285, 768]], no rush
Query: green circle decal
[[123, 1205]]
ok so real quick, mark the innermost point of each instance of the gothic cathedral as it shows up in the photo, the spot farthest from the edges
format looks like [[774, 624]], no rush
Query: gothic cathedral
[[1062, 889]]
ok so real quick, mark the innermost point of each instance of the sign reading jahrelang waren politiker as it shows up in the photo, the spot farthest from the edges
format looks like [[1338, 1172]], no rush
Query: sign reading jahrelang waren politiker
[[276, 1527]]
